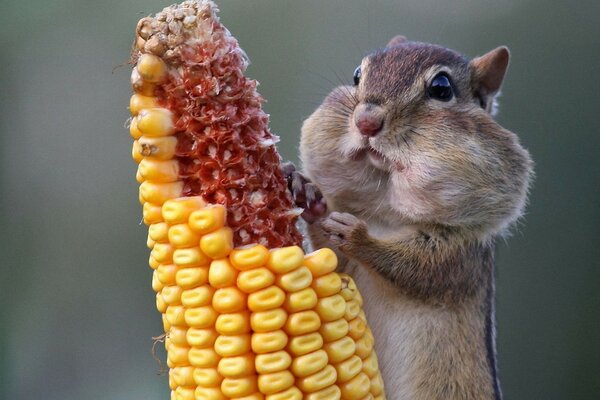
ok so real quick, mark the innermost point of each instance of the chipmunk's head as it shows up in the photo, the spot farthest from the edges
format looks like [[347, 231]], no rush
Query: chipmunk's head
[[413, 140]]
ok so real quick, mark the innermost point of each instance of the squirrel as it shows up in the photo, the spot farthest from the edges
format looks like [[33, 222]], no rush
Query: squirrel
[[408, 177]]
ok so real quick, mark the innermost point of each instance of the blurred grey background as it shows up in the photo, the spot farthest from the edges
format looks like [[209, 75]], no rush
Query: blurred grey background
[[77, 311]]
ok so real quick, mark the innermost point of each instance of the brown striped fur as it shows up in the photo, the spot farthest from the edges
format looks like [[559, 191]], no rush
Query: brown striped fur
[[416, 229]]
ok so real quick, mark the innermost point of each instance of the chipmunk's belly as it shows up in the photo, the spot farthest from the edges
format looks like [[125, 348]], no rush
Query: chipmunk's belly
[[400, 327]]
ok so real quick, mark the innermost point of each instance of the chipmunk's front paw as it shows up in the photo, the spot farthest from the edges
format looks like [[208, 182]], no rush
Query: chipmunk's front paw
[[344, 230], [305, 194]]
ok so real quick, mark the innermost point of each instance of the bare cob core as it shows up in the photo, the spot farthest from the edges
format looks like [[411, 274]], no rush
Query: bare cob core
[[225, 151]]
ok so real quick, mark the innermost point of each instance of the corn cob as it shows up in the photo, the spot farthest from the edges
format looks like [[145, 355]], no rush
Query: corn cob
[[247, 314]]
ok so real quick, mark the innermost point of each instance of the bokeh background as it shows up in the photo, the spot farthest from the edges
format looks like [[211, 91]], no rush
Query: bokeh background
[[76, 307]]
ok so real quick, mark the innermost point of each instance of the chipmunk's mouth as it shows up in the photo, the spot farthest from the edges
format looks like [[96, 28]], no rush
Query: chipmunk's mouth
[[377, 159]]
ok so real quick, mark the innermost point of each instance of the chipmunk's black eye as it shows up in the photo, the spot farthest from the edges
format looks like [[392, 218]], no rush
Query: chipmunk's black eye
[[441, 88], [357, 75]]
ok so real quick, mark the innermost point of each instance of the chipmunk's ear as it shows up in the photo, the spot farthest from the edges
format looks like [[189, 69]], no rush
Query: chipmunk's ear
[[396, 40], [487, 74]]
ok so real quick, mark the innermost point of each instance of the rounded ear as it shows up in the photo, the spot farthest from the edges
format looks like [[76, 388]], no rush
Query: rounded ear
[[487, 74], [396, 40], [489, 70]]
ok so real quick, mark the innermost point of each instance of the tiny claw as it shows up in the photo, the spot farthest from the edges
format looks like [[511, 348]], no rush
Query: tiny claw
[[287, 168], [305, 193]]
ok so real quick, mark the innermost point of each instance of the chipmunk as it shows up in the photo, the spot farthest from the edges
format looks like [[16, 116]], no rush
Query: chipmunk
[[409, 178]]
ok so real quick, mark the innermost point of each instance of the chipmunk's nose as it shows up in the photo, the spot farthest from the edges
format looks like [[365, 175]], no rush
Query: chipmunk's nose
[[369, 119]]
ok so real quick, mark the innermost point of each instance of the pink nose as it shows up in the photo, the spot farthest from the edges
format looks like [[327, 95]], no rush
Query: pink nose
[[369, 123]]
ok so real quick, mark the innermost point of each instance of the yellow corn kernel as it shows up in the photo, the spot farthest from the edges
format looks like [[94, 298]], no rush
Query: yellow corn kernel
[[184, 393], [251, 257], [178, 210], [200, 317], [357, 328], [370, 365], [159, 232], [229, 300], [207, 377], [161, 306], [165, 322], [255, 279], [295, 280], [238, 387], [175, 315], [320, 380], [302, 322], [157, 285], [334, 330], [156, 122], [154, 264], [305, 299], [275, 382], [159, 171], [321, 262], [340, 350], [192, 257], [139, 102], [183, 376], [266, 299], [181, 235], [377, 385], [356, 388], [201, 338], [237, 367], [158, 193], [162, 252], [267, 342], [177, 335], [171, 294], [151, 68], [177, 356], [222, 274], [134, 131], [269, 320], [285, 259], [159, 148], [327, 285], [141, 86], [198, 296], [193, 277], [348, 369], [203, 357], [310, 363], [255, 396], [233, 324], [151, 213], [217, 244], [208, 219], [349, 289], [292, 393], [136, 154], [305, 344], [331, 308], [332, 392], [213, 393], [272, 362], [231, 346], [364, 346], [352, 310], [139, 179]]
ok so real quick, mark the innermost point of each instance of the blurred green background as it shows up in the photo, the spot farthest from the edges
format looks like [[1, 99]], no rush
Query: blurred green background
[[77, 311]]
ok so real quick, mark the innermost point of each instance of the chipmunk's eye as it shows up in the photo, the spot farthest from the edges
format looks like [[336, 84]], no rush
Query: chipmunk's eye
[[357, 76], [441, 88]]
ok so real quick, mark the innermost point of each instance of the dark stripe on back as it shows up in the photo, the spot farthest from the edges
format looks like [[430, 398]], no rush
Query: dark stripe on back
[[490, 322]]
